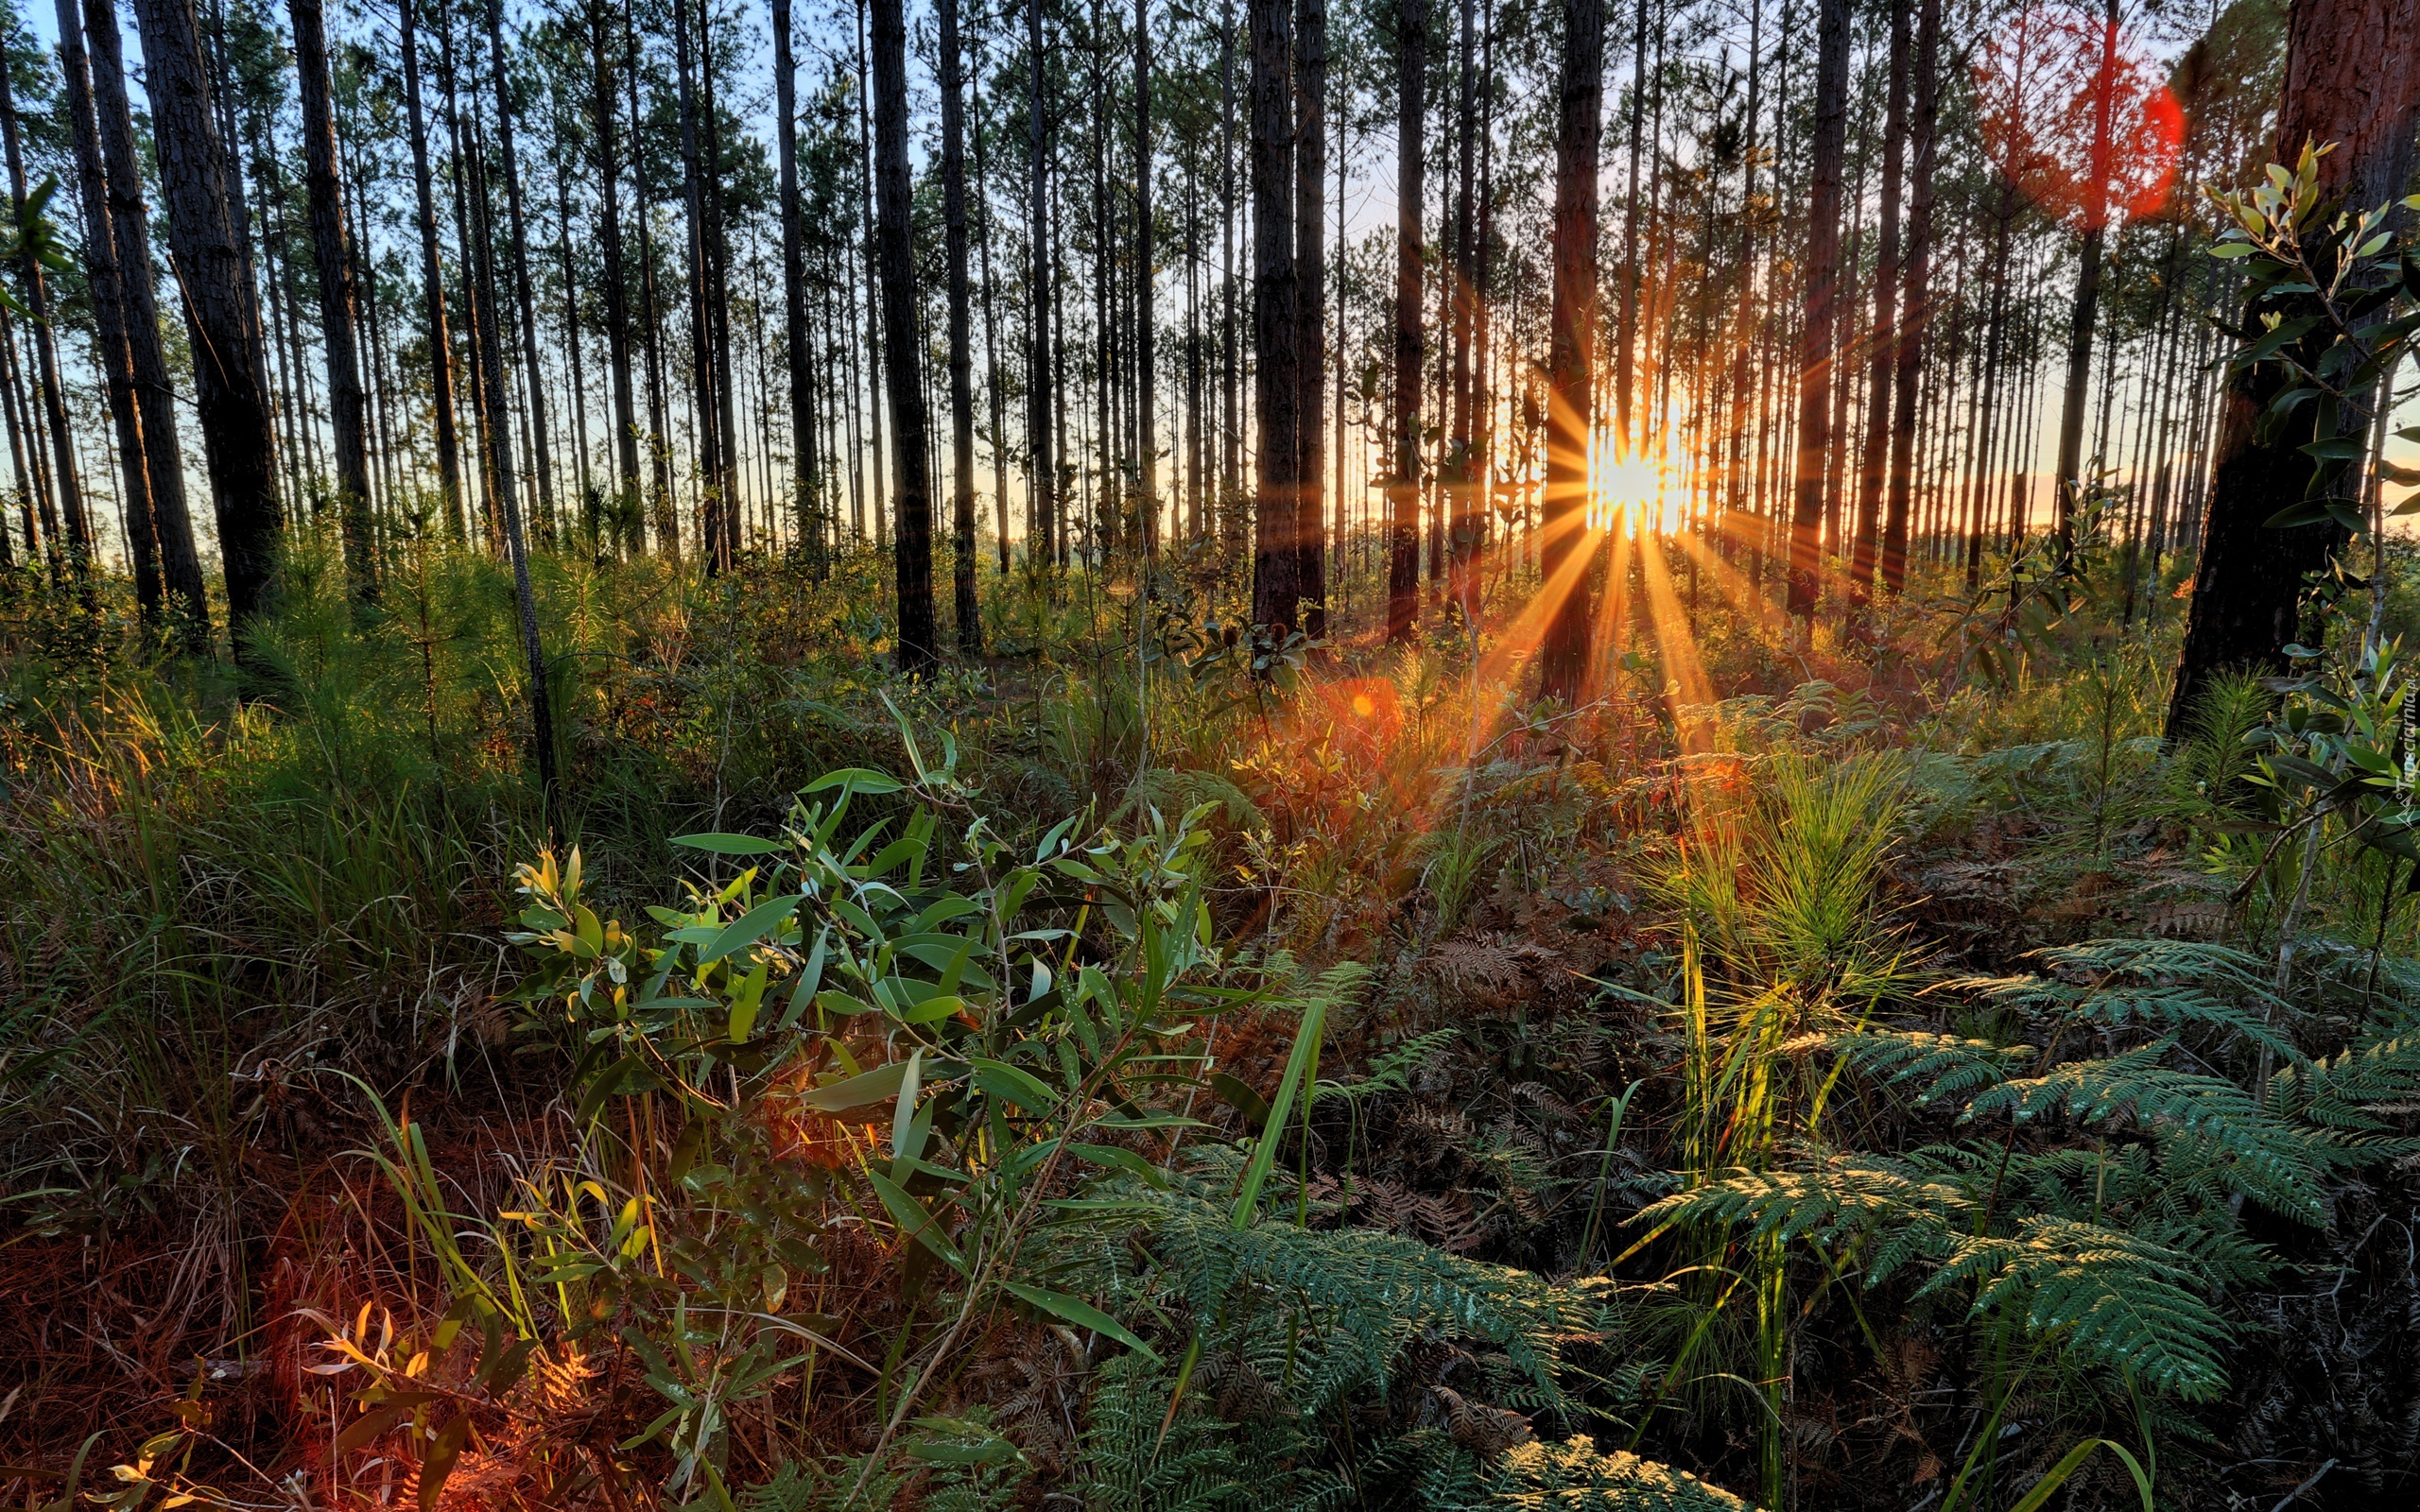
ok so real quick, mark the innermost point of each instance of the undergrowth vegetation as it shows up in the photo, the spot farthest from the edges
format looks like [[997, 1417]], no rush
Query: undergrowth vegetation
[[1147, 1069]]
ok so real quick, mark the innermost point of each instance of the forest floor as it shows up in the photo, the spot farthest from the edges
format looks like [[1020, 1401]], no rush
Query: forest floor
[[1859, 1070]]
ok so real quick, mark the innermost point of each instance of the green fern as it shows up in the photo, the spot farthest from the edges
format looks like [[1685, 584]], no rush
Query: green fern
[[2272, 1163], [1574, 1476], [2122, 1299], [2353, 1090], [1946, 1065]]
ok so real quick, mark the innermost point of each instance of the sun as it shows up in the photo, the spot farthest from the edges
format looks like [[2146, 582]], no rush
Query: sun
[[1629, 495]]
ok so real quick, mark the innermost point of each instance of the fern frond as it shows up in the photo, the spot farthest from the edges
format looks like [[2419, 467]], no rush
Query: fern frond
[[1573, 1476], [1946, 1065], [2123, 1300], [2347, 1090], [2166, 986], [2274, 1163]]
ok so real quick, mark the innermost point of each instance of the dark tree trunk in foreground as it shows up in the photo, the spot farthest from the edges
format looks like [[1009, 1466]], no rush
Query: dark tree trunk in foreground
[[180, 575], [230, 391], [1410, 348], [1823, 277], [962, 346], [1042, 469], [912, 485], [1145, 381], [1915, 308], [1310, 310], [1276, 580], [329, 242], [1571, 400], [1882, 347], [2353, 78], [806, 479], [108, 319]]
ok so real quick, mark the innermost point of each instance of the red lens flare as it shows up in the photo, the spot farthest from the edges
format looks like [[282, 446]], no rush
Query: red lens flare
[[2077, 118]]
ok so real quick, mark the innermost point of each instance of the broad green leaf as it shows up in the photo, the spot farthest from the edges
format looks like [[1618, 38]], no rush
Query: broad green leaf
[[749, 928], [731, 845], [859, 1091], [915, 1222], [854, 780], [1083, 1315], [1007, 1082]]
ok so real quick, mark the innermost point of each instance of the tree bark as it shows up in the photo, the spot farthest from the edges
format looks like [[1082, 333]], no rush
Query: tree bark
[[1625, 358], [2086, 311], [440, 346], [331, 243], [1310, 312], [53, 404], [1146, 319], [1882, 347], [2351, 81], [962, 344], [1908, 338], [109, 321], [1571, 406], [155, 400], [1277, 586], [541, 449], [1410, 348], [1823, 275], [229, 388], [913, 538], [1043, 482], [794, 342]]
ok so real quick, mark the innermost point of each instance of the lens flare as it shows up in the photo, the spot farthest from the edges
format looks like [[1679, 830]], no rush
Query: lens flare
[[1630, 493], [2076, 117]]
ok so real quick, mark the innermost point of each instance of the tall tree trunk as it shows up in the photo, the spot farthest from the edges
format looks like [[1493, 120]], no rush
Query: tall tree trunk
[[703, 406], [504, 492], [108, 322], [155, 400], [1823, 277], [900, 364], [810, 517], [1146, 319], [668, 514], [1410, 351], [1277, 586], [962, 344], [2350, 81], [1571, 403], [1625, 357], [1908, 335], [1230, 355], [2086, 309], [603, 113], [440, 346], [1310, 310], [230, 391], [993, 384], [1463, 523], [332, 244], [541, 448], [53, 403], [1883, 348], [725, 474], [1043, 485]]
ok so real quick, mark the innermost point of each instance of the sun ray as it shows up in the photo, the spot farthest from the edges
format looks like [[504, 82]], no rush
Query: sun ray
[[1684, 677]]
